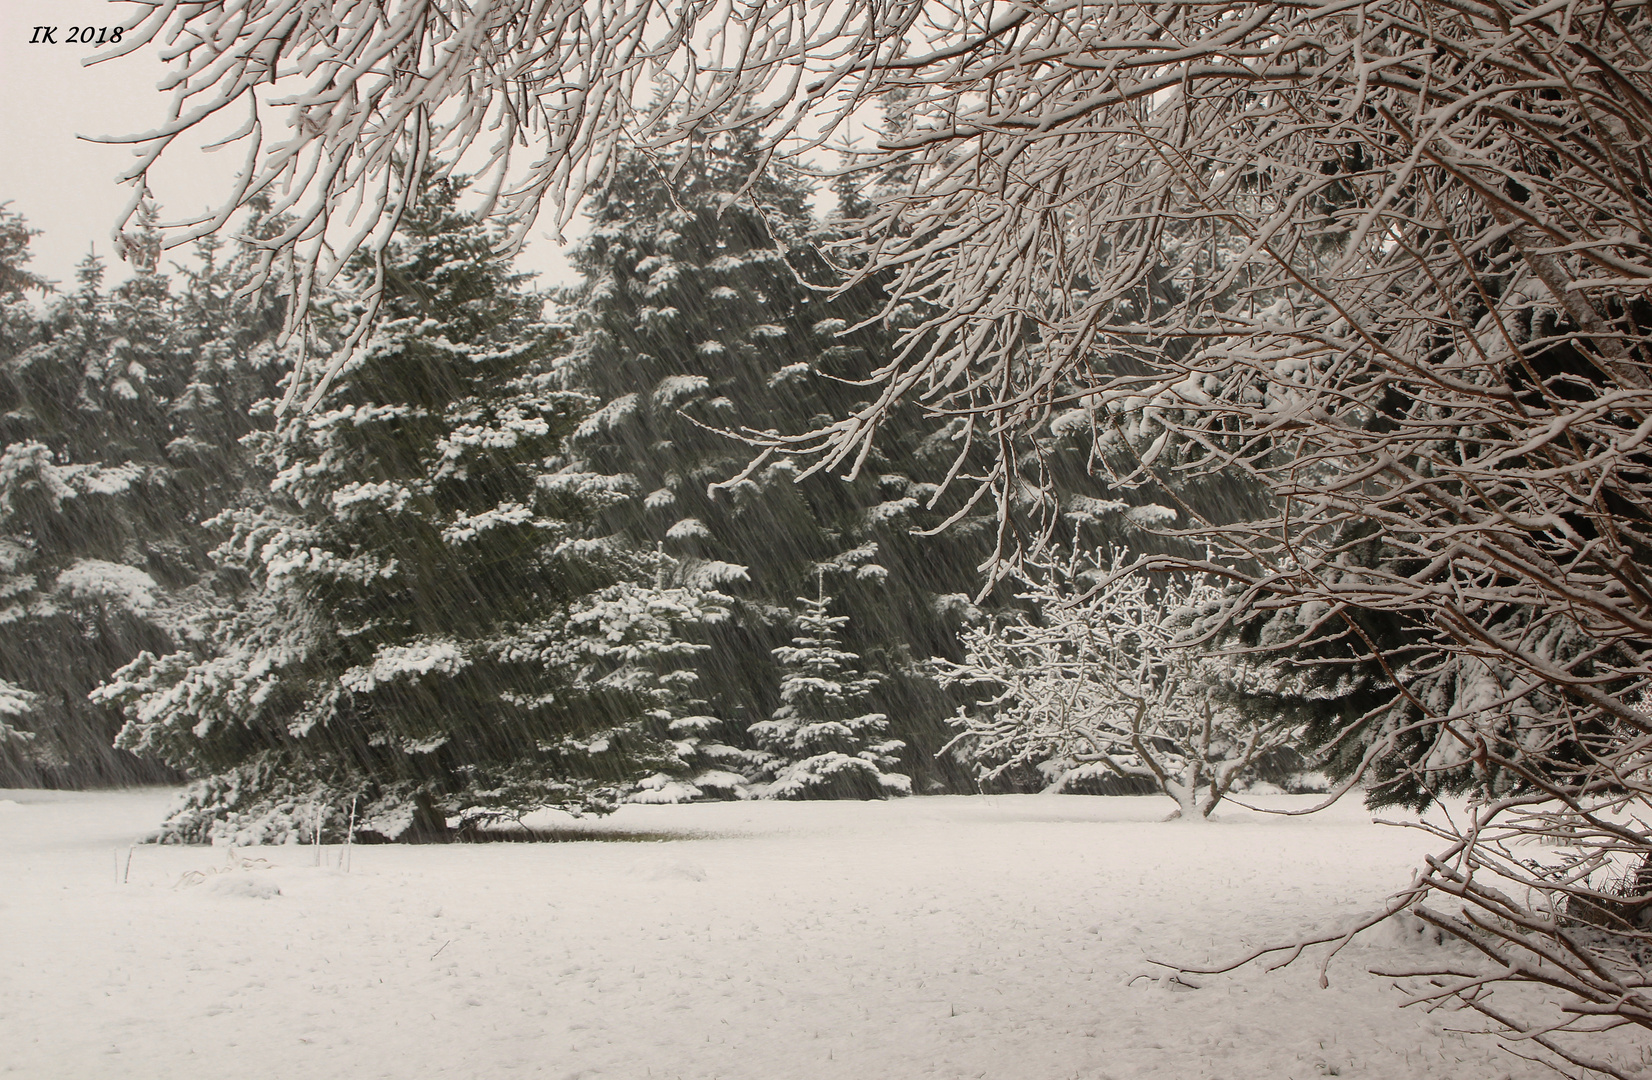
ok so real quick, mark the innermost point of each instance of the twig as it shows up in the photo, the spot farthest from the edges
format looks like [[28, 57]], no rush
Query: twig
[[350, 833]]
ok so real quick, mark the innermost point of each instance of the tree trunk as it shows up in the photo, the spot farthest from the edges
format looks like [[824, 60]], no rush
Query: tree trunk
[[429, 824]]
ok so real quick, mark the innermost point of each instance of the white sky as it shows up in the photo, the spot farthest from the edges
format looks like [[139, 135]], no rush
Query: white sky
[[63, 184]]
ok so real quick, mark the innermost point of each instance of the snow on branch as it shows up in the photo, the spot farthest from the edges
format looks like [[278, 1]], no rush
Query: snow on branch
[[15, 702], [338, 106]]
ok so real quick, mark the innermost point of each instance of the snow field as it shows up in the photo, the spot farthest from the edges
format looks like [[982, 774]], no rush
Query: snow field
[[1003, 937]]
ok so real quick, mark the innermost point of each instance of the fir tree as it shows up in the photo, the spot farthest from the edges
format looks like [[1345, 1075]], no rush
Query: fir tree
[[14, 703], [1374, 692], [823, 744], [433, 628]]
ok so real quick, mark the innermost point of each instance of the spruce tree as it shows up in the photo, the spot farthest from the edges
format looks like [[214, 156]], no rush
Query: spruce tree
[[122, 408], [17, 319], [823, 744], [14, 703], [432, 626], [704, 316]]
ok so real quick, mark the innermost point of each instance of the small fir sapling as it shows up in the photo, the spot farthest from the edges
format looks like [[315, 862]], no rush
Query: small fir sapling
[[823, 745]]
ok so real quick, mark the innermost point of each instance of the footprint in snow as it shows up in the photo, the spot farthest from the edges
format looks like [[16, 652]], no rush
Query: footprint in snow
[[675, 870]]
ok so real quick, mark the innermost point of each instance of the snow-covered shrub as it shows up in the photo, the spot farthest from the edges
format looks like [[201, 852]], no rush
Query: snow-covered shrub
[[1100, 676]]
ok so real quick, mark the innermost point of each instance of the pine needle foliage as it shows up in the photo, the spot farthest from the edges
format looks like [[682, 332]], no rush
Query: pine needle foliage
[[120, 410]]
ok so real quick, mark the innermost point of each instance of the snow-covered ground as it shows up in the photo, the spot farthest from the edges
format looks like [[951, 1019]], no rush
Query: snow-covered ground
[[1004, 937]]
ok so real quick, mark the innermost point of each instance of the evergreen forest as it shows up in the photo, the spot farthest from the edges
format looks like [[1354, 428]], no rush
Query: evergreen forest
[[524, 551]]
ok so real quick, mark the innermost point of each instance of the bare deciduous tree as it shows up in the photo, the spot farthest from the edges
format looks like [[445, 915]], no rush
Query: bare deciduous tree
[[1096, 677]]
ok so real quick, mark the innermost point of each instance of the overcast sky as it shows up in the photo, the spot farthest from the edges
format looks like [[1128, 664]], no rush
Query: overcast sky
[[65, 185]]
